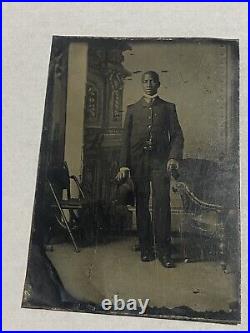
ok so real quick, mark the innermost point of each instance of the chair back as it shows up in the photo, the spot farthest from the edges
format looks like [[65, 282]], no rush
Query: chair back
[[60, 179], [201, 177]]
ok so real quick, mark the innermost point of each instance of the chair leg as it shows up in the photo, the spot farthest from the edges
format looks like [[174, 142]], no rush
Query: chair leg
[[183, 241], [201, 248], [64, 219], [70, 233], [222, 246]]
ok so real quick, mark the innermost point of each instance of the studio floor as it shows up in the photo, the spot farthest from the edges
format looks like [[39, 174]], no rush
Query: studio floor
[[115, 268]]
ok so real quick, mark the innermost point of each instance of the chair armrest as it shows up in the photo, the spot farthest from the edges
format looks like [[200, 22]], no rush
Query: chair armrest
[[183, 189]]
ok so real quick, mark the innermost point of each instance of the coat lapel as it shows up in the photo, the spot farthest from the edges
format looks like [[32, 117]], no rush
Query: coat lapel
[[143, 103]]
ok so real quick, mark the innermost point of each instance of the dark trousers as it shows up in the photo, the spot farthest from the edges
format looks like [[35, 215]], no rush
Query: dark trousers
[[155, 231]]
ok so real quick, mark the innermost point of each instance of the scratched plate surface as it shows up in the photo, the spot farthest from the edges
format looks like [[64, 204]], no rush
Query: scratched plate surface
[[86, 255]]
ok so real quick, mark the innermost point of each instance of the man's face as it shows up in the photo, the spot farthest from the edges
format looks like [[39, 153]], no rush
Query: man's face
[[150, 84]]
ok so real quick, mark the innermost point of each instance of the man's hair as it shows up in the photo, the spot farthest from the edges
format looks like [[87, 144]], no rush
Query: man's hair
[[153, 74]]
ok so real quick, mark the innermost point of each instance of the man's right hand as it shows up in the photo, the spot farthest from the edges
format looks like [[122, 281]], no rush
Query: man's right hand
[[123, 172]]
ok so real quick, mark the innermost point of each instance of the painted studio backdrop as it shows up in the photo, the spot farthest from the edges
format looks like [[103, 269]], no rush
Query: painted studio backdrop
[[84, 244]]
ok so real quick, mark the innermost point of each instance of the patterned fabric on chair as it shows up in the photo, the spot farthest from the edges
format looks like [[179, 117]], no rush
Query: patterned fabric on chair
[[204, 188]]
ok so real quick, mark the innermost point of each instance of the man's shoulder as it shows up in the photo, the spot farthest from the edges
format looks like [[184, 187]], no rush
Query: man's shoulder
[[134, 105], [167, 104]]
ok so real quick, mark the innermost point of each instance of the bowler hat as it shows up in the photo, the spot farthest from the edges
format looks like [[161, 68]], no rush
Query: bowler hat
[[125, 192]]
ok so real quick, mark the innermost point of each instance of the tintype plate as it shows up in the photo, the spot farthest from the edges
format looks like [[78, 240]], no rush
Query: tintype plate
[[137, 199]]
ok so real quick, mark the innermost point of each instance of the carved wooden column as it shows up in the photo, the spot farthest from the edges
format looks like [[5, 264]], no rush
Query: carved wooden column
[[103, 117]]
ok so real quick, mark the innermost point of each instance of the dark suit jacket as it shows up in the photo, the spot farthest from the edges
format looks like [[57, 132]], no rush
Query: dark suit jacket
[[167, 136]]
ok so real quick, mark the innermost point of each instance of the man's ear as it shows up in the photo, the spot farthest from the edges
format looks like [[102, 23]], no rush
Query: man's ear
[[159, 84]]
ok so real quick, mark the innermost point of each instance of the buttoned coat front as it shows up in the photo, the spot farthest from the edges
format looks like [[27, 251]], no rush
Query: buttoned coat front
[[161, 120]]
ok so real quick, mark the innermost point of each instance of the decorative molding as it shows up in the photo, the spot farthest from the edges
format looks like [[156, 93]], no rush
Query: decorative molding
[[113, 131], [91, 101], [96, 59], [115, 78]]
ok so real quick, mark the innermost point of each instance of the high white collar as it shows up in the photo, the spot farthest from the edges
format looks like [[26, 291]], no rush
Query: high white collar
[[150, 96]]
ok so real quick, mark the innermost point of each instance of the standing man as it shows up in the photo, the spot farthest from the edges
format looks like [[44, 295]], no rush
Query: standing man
[[152, 144]]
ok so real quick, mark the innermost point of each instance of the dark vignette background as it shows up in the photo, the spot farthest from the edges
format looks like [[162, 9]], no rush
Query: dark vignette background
[[43, 287]]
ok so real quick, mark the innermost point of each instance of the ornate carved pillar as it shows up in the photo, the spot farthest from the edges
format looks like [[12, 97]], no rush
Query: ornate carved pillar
[[103, 116]]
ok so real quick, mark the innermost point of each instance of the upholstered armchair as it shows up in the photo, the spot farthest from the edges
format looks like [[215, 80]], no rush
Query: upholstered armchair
[[209, 223]]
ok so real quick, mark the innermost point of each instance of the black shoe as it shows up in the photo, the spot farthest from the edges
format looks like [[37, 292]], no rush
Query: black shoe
[[166, 261], [147, 255]]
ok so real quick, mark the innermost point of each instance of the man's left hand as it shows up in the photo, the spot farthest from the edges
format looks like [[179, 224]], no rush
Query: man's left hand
[[172, 165]]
